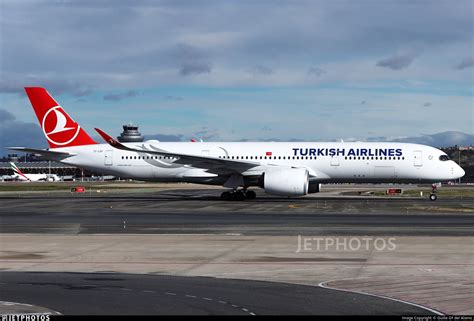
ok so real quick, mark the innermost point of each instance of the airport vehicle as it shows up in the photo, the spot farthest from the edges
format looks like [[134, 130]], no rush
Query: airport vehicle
[[18, 175], [280, 168]]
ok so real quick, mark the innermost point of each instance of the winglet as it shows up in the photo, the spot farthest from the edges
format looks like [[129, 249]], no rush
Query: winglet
[[109, 139]]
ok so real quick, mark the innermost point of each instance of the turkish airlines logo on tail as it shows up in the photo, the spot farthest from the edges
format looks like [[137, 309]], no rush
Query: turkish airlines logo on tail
[[58, 127]]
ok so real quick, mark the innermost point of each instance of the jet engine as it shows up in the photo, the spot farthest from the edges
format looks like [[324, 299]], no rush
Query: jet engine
[[286, 181]]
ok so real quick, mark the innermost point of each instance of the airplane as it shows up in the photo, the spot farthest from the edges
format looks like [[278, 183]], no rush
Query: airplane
[[18, 175], [288, 169], [5, 178]]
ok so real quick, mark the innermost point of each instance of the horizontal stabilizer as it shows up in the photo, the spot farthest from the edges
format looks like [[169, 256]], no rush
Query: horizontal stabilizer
[[42, 152]]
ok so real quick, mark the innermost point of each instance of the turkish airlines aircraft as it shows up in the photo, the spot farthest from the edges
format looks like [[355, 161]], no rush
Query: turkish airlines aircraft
[[284, 169]]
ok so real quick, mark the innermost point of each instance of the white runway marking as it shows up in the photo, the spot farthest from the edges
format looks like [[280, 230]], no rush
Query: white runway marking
[[325, 286]]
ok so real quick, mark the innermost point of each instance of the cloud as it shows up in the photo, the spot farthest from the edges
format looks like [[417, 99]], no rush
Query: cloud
[[397, 62], [15, 83], [84, 47], [443, 139], [185, 52], [121, 96], [165, 137], [15, 133], [261, 70], [467, 62], [174, 98], [6, 117], [316, 71], [195, 68], [206, 134], [204, 51]]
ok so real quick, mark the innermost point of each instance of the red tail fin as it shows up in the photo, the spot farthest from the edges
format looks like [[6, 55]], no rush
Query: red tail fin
[[60, 129]]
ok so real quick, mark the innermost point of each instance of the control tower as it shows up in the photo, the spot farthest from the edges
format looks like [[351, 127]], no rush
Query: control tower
[[130, 134]]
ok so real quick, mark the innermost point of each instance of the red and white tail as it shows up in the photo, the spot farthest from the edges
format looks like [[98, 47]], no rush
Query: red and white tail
[[17, 171], [59, 129]]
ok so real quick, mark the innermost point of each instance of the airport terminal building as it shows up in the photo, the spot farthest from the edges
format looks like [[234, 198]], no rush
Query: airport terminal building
[[40, 167]]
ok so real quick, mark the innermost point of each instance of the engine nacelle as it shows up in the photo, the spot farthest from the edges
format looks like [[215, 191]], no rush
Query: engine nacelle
[[286, 181]]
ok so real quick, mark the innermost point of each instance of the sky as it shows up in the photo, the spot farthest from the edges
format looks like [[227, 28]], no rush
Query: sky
[[241, 70]]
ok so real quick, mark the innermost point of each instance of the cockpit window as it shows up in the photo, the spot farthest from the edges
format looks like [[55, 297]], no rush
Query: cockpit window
[[444, 158]]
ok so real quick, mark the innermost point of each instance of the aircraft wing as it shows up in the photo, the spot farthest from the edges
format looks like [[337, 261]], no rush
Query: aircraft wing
[[43, 152], [205, 162]]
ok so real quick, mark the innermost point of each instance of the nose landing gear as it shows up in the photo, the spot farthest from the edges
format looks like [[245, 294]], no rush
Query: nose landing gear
[[238, 195], [434, 189]]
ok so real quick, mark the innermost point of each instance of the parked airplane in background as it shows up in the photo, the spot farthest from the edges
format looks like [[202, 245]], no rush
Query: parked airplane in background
[[5, 178], [284, 169], [18, 175]]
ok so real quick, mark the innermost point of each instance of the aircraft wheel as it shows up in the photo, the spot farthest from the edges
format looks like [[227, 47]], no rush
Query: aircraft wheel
[[250, 195], [226, 196], [433, 197], [239, 196]]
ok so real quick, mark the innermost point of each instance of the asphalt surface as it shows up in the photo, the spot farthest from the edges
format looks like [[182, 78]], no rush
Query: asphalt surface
[[103, 293], [202, 212]]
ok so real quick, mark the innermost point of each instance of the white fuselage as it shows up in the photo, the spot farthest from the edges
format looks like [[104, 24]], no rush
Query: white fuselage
[[35, 177], [29, 177], [325, 161]]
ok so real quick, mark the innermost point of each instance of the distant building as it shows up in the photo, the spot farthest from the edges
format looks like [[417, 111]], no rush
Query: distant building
[[12, 157], [130, 134], [41, 167]]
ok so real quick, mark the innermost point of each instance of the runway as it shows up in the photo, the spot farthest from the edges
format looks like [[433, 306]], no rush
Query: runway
[[199, 211], [94, 293], [187, 251]]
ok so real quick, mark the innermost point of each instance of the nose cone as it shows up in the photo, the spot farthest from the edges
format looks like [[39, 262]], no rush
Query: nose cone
[[458, 171]]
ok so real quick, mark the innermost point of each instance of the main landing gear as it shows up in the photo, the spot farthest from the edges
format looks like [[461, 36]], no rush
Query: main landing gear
[[238, 195], [434, 189]]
